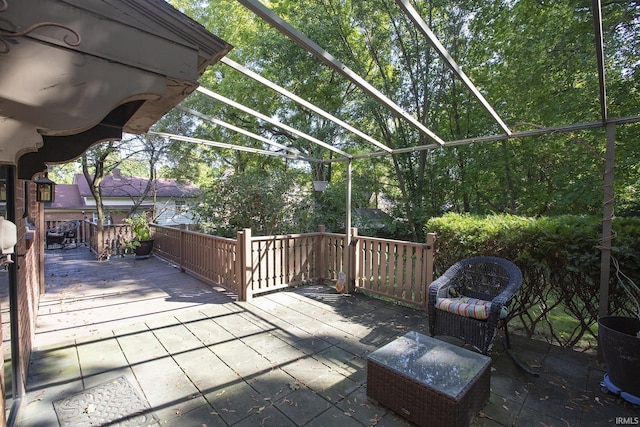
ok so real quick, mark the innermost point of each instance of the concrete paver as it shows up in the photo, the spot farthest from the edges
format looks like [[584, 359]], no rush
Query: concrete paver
[[294, 358]]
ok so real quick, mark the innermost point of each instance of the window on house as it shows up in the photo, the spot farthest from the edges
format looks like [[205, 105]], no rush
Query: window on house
[[107, 218], [181, 206]]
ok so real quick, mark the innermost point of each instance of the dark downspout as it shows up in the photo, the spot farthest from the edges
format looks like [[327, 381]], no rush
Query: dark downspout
[[16, 364]]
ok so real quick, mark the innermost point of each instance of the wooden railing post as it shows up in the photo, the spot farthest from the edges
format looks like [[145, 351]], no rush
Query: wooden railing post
[[99, 241], [431, 250], [431, 240], [352, 259], [181, 243], [240, 265], [244, 265], [321, 254]]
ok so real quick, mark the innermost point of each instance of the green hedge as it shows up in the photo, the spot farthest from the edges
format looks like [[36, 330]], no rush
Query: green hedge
[[560, 262]]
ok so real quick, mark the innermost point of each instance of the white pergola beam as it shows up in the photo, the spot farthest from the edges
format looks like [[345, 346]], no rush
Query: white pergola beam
[[417, 20], [238, 130], [303, 102], [222, 145], [302, 40], [493, 138], [274, 122]]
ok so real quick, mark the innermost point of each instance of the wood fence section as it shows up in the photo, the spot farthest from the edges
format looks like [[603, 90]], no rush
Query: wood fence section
[[166, 243], [335, 259], [251, 266], [395, 269], [110, 242], [210, 258], [283, 261]]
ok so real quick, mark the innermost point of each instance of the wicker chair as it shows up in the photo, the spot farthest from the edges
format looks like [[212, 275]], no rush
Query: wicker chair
[[459, 300]]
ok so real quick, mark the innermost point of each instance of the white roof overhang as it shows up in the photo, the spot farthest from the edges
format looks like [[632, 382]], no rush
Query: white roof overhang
[[77, 70]]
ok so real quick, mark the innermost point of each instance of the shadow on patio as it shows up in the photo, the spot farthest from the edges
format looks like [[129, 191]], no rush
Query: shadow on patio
[[180, 352]]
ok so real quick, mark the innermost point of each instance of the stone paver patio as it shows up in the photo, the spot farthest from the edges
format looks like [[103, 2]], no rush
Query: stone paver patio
[[294, 358]]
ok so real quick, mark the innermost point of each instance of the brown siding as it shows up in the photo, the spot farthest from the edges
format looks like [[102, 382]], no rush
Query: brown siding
[[68, 216], [28, 273], [29, 259]]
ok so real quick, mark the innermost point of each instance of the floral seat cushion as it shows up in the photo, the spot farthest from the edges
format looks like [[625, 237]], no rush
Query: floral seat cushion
[[468, 307]]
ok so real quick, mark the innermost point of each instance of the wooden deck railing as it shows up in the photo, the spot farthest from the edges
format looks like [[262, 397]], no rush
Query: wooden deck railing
[[79, 236], [394, 269], [276, 262], [108, 243], [250, 266], [210, 258]]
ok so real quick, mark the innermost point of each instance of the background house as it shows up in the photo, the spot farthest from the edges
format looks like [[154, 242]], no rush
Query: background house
[[168, 200], [371, 219]]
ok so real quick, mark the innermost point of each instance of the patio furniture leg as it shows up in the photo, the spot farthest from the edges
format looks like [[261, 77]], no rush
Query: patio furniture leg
[[506, 335], [520, 364]]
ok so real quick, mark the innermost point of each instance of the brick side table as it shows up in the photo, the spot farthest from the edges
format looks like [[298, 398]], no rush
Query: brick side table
[[428, 381]]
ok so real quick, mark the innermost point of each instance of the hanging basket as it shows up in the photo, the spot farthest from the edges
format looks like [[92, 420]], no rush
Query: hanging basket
[[320, 185]]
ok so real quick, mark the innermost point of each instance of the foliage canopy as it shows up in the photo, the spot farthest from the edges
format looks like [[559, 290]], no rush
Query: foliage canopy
[[535, 63]]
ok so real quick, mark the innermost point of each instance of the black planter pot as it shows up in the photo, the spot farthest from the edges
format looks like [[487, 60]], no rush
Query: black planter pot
[[620, 346], [144, 249]]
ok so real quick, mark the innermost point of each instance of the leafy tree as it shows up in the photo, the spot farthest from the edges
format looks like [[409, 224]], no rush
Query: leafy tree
[[96, 164], [146, 152], [257, 200], [64, 173], [134, 156], [533, 61]]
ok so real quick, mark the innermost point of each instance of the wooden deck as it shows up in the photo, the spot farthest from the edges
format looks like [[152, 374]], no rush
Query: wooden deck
[[291, 358]]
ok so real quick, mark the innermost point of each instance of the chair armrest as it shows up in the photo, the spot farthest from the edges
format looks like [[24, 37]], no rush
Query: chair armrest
[[515, 281], [440, 286]]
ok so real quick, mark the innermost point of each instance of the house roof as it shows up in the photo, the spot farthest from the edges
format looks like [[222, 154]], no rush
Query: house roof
[[373, 214], [132, 186], [67, 197], [72, 196]]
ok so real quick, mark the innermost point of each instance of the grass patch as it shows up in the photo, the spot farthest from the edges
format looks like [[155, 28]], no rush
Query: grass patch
[[564, 327]]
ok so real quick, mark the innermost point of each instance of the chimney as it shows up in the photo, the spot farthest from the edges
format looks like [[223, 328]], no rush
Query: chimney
[[116, 174]]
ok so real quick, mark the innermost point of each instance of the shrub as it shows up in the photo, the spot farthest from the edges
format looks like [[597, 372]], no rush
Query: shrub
[[560, 261], [139, 226]]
